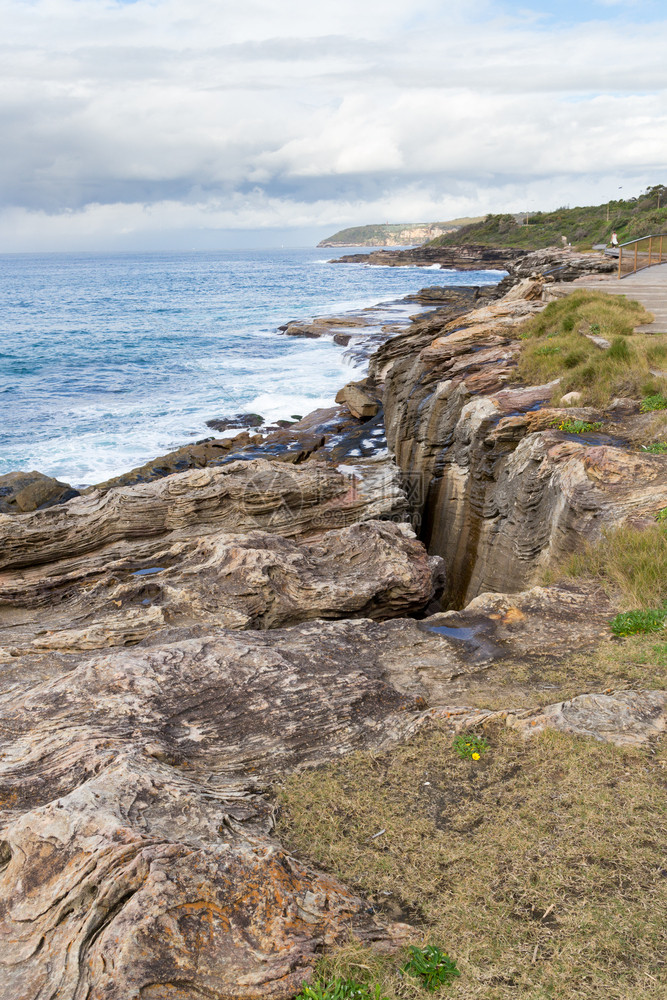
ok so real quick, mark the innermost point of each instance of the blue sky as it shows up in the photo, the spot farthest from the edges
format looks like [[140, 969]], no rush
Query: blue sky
[[161, 122], [573, 12]]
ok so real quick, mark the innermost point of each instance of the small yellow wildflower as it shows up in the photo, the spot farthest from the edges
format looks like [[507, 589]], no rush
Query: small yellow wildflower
[[475, 756]]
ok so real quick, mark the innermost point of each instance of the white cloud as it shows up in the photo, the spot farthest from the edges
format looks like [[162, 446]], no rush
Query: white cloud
[[123, 117]]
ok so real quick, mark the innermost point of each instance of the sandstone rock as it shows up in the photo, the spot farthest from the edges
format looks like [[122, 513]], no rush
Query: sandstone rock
[[497, 491], [555, 264], [571, 398], [235, 498], [600, 342], [120, 595], [626, 718], [322, 326], [21, 492], [458, 296], [239, 420], [359, 402]]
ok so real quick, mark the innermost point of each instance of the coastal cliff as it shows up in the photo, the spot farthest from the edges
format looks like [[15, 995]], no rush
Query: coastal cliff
[[184, 640], [394, 234]]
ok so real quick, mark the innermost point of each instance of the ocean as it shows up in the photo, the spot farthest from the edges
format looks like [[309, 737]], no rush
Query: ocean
[[108, 360]]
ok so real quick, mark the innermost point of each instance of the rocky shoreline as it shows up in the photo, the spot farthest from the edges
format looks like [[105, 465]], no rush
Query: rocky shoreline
[[179, 639], [564, 264]]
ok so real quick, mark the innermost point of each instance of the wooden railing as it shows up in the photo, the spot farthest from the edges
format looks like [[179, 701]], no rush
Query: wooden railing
[[638, 254]]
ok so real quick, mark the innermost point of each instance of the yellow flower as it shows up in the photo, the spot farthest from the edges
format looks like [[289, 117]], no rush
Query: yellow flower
[[475, 756]]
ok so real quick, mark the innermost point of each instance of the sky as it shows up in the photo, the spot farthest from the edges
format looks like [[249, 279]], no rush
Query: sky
[[210, 124]]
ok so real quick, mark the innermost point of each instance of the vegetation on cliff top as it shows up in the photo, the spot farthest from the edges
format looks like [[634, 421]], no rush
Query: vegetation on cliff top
[[582, 227], [379, 234], [557, 344], [539, 867]]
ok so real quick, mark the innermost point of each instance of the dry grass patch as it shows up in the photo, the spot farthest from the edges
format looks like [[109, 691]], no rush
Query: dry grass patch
[[540, 867], [627, 561], [556, 345], [638, 661]]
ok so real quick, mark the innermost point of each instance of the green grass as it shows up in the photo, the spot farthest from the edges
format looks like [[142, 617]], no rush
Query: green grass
[[570, 426], [555, 345], [541, 868], [630, 218], [639, 622], [632, 563], [340, 989], [656, 448], [656, 402]]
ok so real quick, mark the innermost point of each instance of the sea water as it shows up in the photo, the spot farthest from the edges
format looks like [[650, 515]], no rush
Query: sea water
[[109, 360]]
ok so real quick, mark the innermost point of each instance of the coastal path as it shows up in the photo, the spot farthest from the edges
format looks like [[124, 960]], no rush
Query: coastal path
[[648, 286]]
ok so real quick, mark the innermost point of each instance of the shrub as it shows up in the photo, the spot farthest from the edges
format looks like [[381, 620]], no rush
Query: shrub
[[574, 359], [661, 515], [432, 966], [619, 349], [657, 448]]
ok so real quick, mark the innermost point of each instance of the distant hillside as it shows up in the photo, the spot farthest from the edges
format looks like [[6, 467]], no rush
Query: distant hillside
[[399, 234], [582, 227]]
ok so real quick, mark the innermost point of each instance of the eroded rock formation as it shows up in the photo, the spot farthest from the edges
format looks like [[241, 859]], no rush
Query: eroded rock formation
[[498, 490], [215, 547]]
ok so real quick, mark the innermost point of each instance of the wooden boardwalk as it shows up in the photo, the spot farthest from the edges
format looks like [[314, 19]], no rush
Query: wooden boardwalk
[[648, 287]]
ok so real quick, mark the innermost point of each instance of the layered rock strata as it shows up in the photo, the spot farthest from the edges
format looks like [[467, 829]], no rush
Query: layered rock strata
[[463, 258], [498, 491], [245, 545]]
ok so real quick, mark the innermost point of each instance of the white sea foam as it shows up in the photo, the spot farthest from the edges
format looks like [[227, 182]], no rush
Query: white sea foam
[[125, 357]]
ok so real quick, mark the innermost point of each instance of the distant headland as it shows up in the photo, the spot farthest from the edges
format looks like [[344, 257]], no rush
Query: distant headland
[[400, 234]]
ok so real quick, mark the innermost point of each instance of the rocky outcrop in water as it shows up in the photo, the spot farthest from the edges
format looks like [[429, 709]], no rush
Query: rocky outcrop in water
[[463, 258], [557, 264], [21, 492]]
